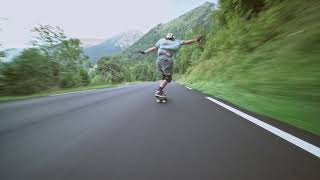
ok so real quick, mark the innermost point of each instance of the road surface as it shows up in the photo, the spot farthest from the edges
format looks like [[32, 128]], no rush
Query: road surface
[[123, 134]]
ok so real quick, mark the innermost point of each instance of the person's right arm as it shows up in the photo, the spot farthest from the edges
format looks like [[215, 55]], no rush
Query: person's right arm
[[152, 49]]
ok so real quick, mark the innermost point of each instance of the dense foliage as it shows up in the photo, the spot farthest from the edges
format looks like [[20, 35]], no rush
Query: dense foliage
[[54, 62], [264, 56]]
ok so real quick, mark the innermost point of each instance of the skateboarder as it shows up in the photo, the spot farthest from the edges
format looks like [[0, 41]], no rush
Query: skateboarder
[[167, 48]]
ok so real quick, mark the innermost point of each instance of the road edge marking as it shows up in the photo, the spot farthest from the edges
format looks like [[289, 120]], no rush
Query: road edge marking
[[72, 92], [278, 132], [59, 94], [188, 87]]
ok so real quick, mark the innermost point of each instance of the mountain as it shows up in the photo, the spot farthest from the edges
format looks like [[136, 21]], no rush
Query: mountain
[[113, 45], [191, 21], [88, 42]]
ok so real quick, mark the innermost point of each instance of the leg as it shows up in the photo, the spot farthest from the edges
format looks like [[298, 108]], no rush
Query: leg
[[165, 80], [165, 67], [163, 84]]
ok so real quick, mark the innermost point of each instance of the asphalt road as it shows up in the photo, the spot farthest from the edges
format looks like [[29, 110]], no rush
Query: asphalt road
[[123, 134]]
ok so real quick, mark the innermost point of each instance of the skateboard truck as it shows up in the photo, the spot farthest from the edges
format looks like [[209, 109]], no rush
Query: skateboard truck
[[161, 99]]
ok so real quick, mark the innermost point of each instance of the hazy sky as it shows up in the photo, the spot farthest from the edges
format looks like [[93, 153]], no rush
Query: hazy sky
[[86, 19]]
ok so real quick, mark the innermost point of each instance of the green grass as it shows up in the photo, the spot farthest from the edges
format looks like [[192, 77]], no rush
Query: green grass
[[278, 75], [51, 92], [285, 86], [299, 113]]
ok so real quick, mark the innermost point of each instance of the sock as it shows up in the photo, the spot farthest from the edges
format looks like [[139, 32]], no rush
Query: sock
[[160, 88]]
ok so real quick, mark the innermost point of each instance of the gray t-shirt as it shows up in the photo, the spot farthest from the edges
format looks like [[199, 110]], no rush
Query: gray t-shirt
[[168, 47]]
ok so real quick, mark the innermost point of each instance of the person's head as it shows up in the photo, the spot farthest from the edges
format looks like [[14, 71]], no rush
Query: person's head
[[170, 36]]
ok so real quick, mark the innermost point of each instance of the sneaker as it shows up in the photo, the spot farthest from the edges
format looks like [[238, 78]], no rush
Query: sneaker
[[160, 94]]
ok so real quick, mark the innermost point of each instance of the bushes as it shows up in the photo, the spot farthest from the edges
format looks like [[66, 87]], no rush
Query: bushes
[[112, 69], [85, 78], [70, 79], [118, 69]]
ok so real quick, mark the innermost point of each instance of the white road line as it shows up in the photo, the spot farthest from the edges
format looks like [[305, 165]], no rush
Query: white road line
[[284, 135], [188, 87], [72, 92], [125, 85]]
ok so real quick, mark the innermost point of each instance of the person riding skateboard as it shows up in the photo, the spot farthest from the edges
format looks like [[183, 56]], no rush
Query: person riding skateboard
[[167, 47]]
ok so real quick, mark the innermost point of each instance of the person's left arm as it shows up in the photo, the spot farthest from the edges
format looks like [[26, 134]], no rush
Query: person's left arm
[[191, 41]]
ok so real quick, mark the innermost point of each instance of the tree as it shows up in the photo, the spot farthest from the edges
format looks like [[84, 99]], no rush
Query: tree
[[55, 61], [47, 38], [66, 53], [113, 69], [85, 78], [29, 73], [2, 54]]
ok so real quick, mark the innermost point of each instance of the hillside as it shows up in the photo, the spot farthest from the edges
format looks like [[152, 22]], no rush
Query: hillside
[[131, 66], [266, 61], [196, 19], [112, 45]]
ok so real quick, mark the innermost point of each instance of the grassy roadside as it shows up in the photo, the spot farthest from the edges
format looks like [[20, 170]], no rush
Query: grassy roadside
[[269, 65], [51, 92], [283, 85], [301, 114]]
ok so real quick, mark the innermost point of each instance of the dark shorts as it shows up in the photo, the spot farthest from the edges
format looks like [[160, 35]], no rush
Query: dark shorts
[[165, 65]]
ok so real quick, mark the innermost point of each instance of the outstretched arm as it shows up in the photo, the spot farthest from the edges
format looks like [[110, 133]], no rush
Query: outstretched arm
[[191, 41], [148, 50]]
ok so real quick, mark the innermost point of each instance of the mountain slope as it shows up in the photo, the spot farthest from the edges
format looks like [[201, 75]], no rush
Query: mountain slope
[[113, 45], [131, 66], [267, 63], [196, 18]]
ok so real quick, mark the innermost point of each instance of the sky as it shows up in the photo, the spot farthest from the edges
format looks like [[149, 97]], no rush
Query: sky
[[94, 20]]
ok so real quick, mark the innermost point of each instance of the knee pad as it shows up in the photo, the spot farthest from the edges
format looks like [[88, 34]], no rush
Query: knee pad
[[163, 77], [168, 78]]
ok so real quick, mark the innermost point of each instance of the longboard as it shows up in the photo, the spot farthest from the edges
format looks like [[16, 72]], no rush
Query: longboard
[[161, 100]]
